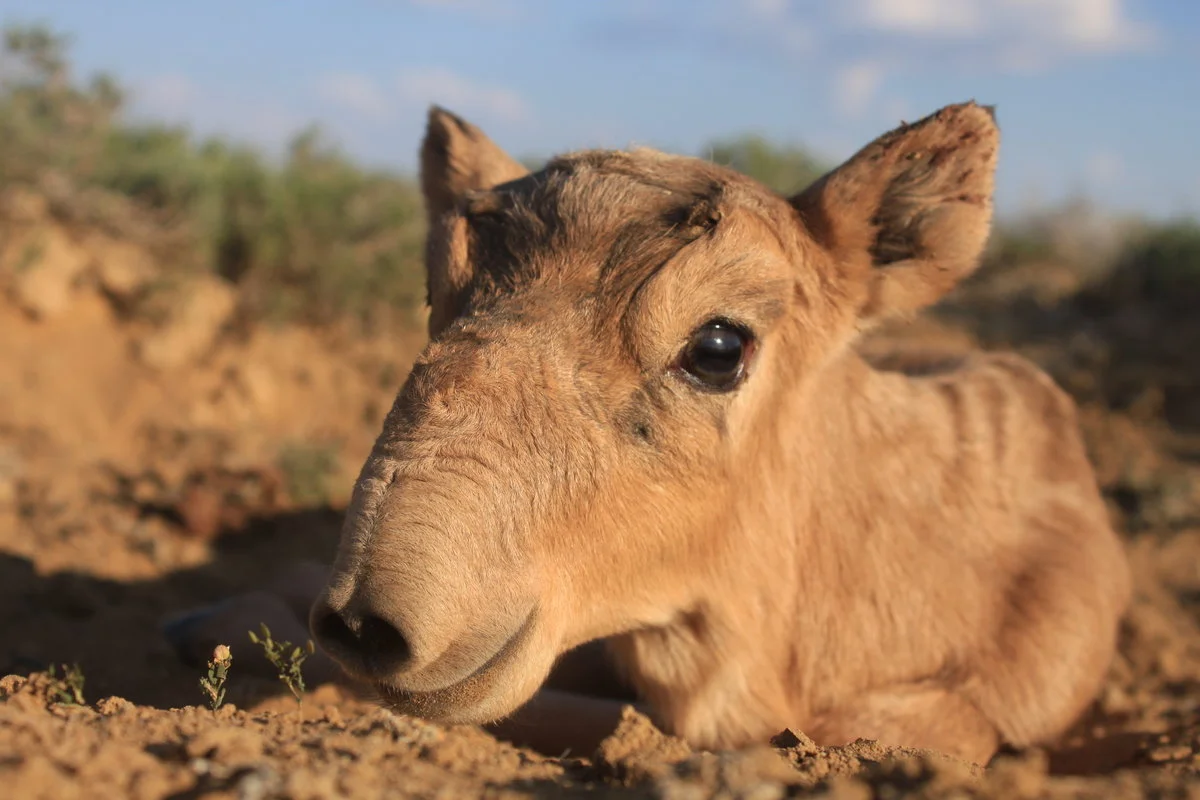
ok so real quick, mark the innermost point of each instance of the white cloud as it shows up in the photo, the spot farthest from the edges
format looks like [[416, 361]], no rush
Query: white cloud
[[1087, 23], [355, 92], [1022, 27], [444, 87], [910, 36], [936, 17], [860, 43], [769, 23], [856, 86]]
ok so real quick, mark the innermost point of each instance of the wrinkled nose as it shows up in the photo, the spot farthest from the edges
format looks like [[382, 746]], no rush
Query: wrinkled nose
[[361, 639]]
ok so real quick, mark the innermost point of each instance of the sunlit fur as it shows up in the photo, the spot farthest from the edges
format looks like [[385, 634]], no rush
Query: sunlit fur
[[922, 559]]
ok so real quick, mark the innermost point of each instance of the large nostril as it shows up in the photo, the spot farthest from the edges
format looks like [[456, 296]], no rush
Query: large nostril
[[383, 644], [333, 631], [368, 639]]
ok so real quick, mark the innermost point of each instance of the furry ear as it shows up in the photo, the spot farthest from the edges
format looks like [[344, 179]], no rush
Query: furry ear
[[907, 217], [456, 159]]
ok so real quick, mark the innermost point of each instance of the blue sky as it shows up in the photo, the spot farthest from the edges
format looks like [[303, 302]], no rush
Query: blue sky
[[1095, 97]]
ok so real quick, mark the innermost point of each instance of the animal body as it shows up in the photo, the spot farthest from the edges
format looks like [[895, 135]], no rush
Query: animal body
[[641, 419]]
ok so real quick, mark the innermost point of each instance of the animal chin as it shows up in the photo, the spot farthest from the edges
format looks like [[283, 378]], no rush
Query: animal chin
[[474, 699]]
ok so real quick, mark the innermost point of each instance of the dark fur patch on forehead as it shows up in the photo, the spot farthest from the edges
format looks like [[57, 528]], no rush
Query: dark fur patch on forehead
[[602, 217]]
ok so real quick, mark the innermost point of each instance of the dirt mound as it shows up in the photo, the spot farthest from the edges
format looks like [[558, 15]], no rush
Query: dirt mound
[[337, 746], [157, 456]]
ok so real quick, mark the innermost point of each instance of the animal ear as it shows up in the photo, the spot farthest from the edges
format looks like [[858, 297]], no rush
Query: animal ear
[[457, 158], [907, 217]]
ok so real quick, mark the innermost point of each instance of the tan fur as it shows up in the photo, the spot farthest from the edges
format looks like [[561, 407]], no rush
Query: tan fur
[[921, 558]]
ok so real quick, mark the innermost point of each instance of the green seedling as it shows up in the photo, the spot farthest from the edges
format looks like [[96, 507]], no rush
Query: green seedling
[[288, 664], [213, 685], [67, 689]]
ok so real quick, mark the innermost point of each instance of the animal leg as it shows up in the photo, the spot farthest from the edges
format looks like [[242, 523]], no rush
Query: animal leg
[[1056, 641], [918, 716]]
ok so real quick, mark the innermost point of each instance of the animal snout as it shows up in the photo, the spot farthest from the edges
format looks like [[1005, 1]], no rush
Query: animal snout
[[362, 638]]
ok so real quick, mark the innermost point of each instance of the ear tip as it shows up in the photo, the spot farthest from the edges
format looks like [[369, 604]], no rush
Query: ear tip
[[986, 108], [439, 119], [974, 112]]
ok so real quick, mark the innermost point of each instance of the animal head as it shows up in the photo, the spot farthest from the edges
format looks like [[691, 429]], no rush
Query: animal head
[[587, 443]]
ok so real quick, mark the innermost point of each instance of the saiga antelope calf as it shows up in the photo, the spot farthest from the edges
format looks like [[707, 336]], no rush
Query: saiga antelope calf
[[641, 418]]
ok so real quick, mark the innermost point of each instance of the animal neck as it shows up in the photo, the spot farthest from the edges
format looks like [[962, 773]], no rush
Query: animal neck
[[800, 549]]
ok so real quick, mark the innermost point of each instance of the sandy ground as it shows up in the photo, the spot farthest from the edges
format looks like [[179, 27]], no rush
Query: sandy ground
[[146, 470]]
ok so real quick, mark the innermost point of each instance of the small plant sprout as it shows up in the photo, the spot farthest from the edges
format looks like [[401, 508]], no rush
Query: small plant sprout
[[213, 685], [287, 663], [67, 689]]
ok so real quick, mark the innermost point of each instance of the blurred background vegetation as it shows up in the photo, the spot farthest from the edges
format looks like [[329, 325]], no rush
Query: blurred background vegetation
[[314, 237]]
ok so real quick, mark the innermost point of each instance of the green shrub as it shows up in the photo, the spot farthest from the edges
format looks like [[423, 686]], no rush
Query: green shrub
[[785, 168], [313, 239]]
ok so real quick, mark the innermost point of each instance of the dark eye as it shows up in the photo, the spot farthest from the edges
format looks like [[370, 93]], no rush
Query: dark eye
[[716, 355]]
